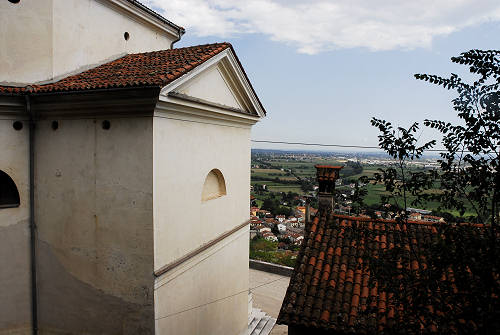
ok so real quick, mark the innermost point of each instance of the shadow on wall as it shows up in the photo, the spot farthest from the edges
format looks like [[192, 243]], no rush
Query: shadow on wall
[[74, 307]]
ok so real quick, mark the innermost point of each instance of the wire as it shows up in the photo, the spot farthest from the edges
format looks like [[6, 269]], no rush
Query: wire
[[217, 300], [333, 145]]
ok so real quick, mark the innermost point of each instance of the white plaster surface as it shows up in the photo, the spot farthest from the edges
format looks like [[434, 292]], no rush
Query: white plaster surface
[[93, 202], [46, 39], [14, 233], [200, 298], [210, 85], [210, 295], [184, 153], [14, 159]]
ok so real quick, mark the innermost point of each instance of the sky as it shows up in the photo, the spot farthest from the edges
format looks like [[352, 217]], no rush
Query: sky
[[323, 69]]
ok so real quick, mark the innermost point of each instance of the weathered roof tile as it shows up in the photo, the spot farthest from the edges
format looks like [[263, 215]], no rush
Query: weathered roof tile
[[331, 286]]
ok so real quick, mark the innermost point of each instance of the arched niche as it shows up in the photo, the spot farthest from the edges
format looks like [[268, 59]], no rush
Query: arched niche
[[214, 186], [9, 195]]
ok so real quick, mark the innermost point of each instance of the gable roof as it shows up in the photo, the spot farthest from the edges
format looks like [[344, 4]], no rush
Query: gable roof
[[331, 287], [149, 69]]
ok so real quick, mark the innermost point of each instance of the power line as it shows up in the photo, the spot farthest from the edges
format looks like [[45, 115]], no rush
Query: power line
[[220, 299], [333, 145]]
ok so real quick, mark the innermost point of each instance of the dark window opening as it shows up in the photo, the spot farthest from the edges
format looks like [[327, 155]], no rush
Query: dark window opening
[[9, 195], [55, 125], [126, 36], [106, 124], [14, 1]]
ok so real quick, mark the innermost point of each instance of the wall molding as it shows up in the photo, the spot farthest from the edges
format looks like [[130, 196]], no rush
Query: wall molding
[[168, 267]]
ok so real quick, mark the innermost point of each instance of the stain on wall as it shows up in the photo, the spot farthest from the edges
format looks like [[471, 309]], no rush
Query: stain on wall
[[15, 293], [70, 306], [93, 209]]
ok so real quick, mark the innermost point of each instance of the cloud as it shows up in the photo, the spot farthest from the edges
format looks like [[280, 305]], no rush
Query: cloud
[[318, 25]]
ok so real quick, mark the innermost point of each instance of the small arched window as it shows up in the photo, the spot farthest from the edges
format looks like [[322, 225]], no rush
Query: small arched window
[[9, 195], [214, 186]]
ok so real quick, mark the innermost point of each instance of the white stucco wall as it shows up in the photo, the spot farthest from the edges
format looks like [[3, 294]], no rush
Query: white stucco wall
[[184, 153], [46, 39], [210, 85], [15, 295], [208, 294], [14, 159], [25, 41], [93, 209]]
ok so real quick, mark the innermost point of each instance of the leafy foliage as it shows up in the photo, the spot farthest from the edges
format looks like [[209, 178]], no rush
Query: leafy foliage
[[470, 164], [455, 286], [401, 144], [266, 251], [357, 197]]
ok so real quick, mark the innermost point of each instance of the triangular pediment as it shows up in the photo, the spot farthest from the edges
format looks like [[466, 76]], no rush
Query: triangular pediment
[[211, 86], [220, 83]]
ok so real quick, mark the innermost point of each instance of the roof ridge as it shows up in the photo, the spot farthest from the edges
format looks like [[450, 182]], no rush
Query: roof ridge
[[135, 70], [177, 49], [364, 219], [148, 69]]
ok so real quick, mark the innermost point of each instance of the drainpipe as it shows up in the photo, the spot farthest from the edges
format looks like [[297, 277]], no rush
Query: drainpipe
[[180, 32], [34, 300]]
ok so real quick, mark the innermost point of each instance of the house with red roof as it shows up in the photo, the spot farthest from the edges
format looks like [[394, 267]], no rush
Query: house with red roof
[[333, 289], [127, 166]]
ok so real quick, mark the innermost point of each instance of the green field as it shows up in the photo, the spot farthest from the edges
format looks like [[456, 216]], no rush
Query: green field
[[304, 169]]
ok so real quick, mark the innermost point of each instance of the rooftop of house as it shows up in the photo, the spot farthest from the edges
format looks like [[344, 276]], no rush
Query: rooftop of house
[[156, 68], [148, 69], [331, 287]]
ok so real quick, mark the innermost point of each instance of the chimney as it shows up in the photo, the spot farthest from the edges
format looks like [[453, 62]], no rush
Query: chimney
[[326, 176]]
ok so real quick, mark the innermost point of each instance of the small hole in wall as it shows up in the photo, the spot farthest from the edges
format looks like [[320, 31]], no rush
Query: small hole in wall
[[55, 125], [106, 124], [126, 36], [18, 125], [14, 1]]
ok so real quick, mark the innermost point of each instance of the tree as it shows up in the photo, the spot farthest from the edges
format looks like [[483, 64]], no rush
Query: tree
[[270, 204], [468, 178], [470, 166], [357, 197]]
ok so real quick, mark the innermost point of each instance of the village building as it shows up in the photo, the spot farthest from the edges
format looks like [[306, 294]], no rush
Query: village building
[[333, 290], [125, 168], [280, 218], [281, 227], [269, 236]]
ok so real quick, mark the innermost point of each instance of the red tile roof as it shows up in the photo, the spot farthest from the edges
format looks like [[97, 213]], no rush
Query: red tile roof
[[331, 287], [157, 68]]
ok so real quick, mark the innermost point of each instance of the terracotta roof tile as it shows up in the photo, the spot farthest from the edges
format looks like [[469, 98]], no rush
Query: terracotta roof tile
[[157, 69], [341, 286]]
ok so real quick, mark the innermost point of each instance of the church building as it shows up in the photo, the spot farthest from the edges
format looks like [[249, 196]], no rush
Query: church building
[[124, 173]]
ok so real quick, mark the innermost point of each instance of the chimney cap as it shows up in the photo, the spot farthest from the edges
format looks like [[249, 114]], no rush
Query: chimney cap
[[327, 172], [335, 167]]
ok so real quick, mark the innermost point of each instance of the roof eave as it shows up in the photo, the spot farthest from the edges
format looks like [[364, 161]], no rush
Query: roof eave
[[148, 15]]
